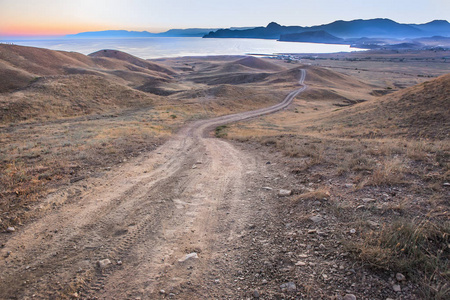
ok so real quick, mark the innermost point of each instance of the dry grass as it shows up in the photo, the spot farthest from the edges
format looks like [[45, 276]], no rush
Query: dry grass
[[388, 172], [418, 248], [404, 179], [399, 171], [38, 158], [319, 194]]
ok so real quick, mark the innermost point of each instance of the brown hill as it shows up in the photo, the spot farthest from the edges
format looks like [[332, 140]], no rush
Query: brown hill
[[42, 83], [41, 61], [19, 66], [12, 78], [122, 56], [257, 63], [67, 96], [421, 111], [325, 77]]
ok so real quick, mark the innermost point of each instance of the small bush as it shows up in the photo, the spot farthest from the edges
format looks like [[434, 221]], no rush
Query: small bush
[[416, 248], [220, 131], [389, 172]]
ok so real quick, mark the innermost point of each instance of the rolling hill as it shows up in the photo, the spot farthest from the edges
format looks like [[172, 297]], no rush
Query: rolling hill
[[420, 111], [41, 83]]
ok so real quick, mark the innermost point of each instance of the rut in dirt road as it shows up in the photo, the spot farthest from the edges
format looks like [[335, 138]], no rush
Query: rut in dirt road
[[188, 196]]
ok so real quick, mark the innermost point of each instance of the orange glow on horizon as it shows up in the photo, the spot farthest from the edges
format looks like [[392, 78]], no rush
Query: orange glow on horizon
[[62, 29], [47, 30]]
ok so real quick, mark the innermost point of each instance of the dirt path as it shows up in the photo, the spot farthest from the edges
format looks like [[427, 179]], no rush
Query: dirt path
[[192, 195]]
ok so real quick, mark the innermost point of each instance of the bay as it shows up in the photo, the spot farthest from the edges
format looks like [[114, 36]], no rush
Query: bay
[[160, 47]]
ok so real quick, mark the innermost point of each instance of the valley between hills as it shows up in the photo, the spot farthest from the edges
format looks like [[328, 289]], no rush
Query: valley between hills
[[224, 177]]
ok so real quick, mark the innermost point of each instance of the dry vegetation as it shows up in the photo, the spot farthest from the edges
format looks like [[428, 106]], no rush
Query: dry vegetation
[[66, 116], [381, 167]]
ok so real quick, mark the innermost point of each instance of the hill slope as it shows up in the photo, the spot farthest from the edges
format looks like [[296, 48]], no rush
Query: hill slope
[[320, 36], [421, 111], [28, 63], [47, 84]]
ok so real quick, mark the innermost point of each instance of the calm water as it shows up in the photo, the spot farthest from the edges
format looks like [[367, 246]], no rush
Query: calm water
[[174, 47]]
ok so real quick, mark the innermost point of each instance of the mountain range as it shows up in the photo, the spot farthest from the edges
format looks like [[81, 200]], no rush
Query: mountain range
[[339, 32], [373, 28], [190, 32]]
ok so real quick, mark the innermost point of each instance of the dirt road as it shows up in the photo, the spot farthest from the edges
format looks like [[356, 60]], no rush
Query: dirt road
[[193, 195]]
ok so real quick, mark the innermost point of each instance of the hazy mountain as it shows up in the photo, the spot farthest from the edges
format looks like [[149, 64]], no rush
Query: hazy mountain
[[374, 28], [436, 27], [320, 36], [111, 34], [380, 28], [271, 31], [190, 32]]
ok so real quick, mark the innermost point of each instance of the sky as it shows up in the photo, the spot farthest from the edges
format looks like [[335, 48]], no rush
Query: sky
[[60, 17]]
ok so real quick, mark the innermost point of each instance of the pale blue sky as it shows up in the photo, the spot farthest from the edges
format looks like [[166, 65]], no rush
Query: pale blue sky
[[62, 17]]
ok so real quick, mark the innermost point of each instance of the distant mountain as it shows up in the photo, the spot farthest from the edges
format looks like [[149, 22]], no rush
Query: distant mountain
[[320, 36], [271, 31], [190, 32], [110, 34], [436, 27], [374, 28]]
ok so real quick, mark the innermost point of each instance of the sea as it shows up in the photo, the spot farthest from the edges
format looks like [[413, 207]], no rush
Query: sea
[[163, 47]]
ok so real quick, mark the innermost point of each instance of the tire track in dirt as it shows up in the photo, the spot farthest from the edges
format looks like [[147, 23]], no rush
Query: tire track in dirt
[[185, 197]]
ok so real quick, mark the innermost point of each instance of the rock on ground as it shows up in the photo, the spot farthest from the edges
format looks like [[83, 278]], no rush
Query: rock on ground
[[103, 263]]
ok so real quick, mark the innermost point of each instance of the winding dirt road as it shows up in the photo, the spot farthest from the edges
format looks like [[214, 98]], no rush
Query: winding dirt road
[[194, 194]]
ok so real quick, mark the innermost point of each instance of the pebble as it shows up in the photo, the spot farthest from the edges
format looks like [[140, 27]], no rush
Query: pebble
[[103, 263], [316, 219], [368, 200], [162, 292], [300, 263], [10, 229], [267, 188], [119, 262], [396, 288], [349, 297], [352, 231], [284, 193], [373, 224], [400, 277], [349, 185], [288, 287], [255, 294], [189, 256]]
